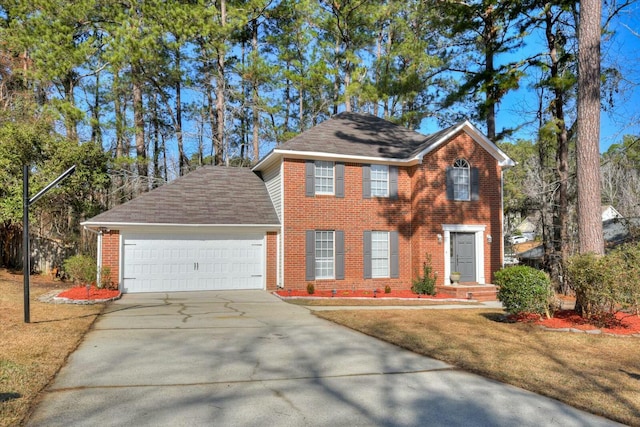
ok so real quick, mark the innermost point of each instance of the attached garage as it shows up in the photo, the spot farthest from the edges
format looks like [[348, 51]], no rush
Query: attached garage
[[170, 262], [212, 229]]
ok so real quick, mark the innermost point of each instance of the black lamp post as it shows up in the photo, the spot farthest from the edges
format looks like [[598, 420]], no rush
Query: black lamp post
[[26, 202]]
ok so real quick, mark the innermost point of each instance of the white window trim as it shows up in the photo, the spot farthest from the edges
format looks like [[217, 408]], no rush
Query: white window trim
[[333, 242], [333, 177], [371, 180], [454, 176], [478, 230], [373, 275]]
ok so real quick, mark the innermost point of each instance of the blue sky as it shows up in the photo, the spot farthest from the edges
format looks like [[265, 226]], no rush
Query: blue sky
[[620, 51]]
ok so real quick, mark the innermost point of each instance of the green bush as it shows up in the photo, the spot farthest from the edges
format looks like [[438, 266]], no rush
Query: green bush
[[590, 280], [106, 281], [523, 289], [628, 276], [387, 289], [605, 284], [426, 284], [81, 268]]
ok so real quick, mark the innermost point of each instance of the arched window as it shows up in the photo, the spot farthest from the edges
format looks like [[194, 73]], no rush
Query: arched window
[[461, 180]]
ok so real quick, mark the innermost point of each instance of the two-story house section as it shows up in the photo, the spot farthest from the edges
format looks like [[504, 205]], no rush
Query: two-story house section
[[362, 202], [355, 202]]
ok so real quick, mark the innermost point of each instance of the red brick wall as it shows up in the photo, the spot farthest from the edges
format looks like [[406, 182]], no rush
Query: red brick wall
[[417, 215], [351, 214], [272, 263], [111, 253], [431, 208]]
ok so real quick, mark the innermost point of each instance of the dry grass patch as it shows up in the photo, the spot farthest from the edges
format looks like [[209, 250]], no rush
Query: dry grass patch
[[596, 373], [370, 302], [31, 354]]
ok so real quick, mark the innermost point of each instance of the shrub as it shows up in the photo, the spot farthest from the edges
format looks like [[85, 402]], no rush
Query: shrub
[[387, 289], [590, 280], [311, 289], [627, 276], [426, 284], [106, 281], [605, 284], [81, 268], [523, 289]]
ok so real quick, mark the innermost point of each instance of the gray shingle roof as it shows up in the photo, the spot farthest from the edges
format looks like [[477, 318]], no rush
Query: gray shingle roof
[[358, 134], [209, 195]]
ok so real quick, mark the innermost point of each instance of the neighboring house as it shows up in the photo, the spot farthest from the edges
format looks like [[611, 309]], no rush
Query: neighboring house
[[615, 232], [524, 232], [609, 212], [355, 202]]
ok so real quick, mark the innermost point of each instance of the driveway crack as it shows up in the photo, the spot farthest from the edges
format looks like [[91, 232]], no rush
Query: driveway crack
[[186, 316]]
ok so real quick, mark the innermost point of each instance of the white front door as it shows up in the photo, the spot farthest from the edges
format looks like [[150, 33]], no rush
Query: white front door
[[164, 263]]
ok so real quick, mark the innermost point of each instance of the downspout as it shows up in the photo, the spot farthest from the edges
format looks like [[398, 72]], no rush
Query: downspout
[[98, 255], [502, 217]]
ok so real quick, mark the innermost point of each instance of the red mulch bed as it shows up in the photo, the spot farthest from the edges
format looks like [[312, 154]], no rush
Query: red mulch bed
[[623, 324], [358, 293], [79, 293]]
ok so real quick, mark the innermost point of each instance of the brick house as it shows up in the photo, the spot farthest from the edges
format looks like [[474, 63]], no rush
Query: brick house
[[355, 202]]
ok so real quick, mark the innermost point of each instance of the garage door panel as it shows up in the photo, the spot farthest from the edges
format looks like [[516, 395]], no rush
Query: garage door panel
[[158, 263]]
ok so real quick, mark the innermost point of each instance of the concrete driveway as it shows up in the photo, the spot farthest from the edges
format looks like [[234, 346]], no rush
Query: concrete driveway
[[245, 358]]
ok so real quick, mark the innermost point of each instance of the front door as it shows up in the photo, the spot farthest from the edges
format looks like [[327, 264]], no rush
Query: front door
[[463, 255]]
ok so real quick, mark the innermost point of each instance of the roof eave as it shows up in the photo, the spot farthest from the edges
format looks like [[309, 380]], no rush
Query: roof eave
[[294, 154], [95, 225], [503, 159]]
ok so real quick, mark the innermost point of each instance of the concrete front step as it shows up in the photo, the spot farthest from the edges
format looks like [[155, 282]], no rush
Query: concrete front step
[[470, 291]]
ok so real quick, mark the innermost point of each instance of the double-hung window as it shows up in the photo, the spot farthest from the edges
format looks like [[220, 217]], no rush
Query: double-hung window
[[461, 180], [324, 255], [324, 177], [379, 181], [379, 254]]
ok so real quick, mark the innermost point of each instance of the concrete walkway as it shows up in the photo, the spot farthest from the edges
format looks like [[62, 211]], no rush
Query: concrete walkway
[[248, 359]]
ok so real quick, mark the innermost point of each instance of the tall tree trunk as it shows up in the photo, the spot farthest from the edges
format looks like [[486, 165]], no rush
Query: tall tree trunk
[[301, 127], [336, 80], [347, 81], [588, 138], [561, 199], [122, 145], [490, 102], [183, 162], [138, 123], [211, 113], [155, 123], [96, 129], [490, 48], [254, 95], [220, 89], [71, 123], [287, 104]]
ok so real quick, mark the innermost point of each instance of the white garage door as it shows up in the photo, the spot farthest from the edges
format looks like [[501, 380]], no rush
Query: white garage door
[[162, 263]]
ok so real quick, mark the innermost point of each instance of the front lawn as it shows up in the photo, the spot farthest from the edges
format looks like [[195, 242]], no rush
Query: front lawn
[[596, 373], [32, 353]]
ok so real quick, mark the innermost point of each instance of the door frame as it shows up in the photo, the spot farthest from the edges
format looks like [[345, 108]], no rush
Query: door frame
[[478, 231]]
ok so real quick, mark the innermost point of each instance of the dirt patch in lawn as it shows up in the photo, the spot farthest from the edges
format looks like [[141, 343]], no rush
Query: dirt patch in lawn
[[32, 353], [596, 373]]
